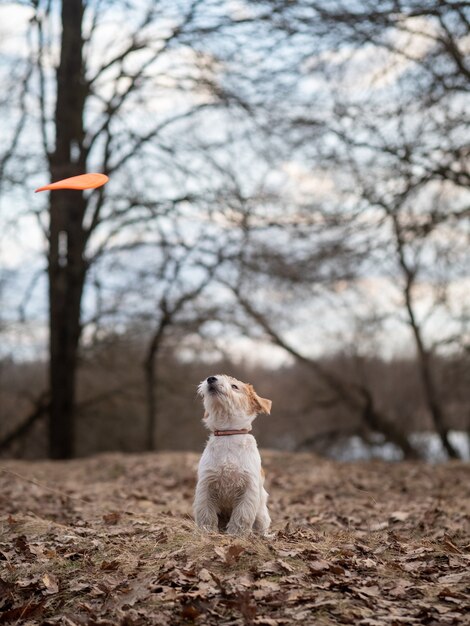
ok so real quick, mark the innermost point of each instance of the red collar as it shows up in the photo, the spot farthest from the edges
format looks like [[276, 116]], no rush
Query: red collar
[[222, 433]]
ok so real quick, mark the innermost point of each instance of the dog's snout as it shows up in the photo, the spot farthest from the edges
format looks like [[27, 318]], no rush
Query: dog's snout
[[211, 380]]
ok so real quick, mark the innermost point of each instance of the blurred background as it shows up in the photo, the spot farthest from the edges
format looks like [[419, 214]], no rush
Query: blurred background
[[288, 203]]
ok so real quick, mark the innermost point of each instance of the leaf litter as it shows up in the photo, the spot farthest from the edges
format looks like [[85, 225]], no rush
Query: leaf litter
[[110, 540]]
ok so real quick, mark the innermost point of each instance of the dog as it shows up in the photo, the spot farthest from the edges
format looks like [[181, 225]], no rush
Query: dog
[[230, 492]]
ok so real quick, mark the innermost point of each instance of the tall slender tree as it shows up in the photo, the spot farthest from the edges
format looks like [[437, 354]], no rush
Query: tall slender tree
[[67, 265]]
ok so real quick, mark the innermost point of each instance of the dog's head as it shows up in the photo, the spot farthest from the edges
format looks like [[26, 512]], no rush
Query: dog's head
[[229, 403]]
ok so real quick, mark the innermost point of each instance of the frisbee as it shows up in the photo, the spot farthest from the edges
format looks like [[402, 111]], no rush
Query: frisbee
[[84, 181]]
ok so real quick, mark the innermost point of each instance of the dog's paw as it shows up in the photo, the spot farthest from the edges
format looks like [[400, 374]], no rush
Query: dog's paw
[[238, 530], [207, 523], [267, 535], [208, 528]]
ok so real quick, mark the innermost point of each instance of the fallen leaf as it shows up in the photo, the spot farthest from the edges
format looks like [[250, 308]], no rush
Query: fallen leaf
[[230, 554], [204, 575], [22, 613], [285, 566], [450, 545], [51, 583], [399, 516], [319, 567], [452, 578], [233, 552], [447, 593], [6, 591], [22, 546], [109, 566], [78, 586], [190, 612], [373, 591], [291, 553], [112, 518]]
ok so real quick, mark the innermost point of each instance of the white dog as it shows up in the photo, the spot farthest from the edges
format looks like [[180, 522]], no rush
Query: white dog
[[230, 492]]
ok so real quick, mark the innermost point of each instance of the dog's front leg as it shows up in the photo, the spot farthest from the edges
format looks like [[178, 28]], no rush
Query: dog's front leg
[[244, 511], [205, 512], [263, 520]]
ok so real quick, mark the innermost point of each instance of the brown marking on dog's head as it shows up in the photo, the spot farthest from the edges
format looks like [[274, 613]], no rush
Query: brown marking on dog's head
[[258, 404]]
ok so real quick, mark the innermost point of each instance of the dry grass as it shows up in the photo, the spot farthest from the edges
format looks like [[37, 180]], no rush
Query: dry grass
[[110, 540]]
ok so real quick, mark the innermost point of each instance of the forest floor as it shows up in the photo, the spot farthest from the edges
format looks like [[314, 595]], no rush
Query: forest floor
[[110, 540]]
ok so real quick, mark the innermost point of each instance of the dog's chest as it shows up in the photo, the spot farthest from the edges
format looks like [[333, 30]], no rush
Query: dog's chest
[[228, 467], [230, 462]]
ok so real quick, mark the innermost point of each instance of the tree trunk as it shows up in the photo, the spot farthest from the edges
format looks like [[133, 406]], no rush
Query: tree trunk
[[150, 367], [66, 263], [378, 422], [430, 391], [423, 356]]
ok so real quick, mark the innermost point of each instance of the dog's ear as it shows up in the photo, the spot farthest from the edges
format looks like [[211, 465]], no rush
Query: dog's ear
[[260, 405], [264, 405]]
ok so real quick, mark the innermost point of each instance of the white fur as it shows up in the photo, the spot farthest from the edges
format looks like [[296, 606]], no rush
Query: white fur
[[230, 479]]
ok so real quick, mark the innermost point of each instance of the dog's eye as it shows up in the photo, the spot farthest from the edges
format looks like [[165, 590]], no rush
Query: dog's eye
[[234, 387]]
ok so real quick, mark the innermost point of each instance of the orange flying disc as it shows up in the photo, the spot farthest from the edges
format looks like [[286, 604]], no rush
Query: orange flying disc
[[84, 181]]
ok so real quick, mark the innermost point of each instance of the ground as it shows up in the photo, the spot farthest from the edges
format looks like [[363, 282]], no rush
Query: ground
[[110, 540]]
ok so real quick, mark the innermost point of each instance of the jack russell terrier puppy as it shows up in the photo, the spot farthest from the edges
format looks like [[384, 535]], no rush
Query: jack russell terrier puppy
[[230, 494]]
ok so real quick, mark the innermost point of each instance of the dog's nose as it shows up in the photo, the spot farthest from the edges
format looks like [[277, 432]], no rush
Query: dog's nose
[[211, 379]]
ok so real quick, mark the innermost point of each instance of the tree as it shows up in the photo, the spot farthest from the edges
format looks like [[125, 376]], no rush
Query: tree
[[389, 129], [178, 307], [67, 265], [94, 124]]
